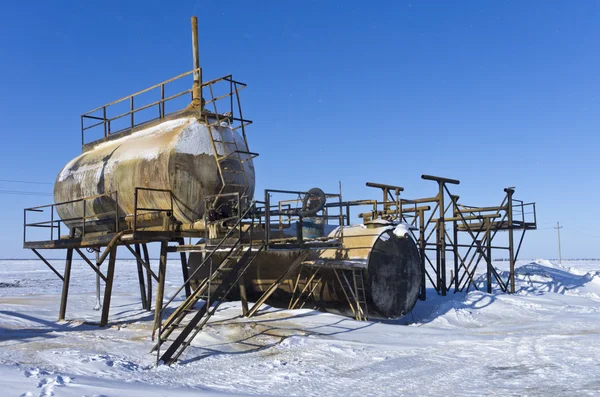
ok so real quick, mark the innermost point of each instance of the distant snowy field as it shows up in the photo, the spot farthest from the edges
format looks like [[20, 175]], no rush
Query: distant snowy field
[[542, 341]]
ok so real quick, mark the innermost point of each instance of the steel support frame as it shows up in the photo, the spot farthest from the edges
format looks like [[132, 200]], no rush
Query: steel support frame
[[449, 224]]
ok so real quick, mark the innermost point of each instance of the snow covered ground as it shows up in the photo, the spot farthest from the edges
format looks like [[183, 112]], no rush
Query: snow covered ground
[[542, 341]]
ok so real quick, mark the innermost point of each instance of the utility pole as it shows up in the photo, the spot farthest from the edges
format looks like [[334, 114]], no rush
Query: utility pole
[[558, 227]]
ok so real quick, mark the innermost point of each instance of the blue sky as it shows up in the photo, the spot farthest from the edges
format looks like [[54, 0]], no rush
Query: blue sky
[[496, 94]]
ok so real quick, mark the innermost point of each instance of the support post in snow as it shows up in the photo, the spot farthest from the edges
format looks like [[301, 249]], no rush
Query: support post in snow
[[148, 277], [140, 269], [110, 273], [98, 305], [488, 259], [160, 289], [65, 290], [511, 236]]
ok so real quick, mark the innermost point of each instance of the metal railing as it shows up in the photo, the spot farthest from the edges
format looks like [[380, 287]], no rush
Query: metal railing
[[75, 222], [102, 121], [524, 213], [277, 211], [137, 208]]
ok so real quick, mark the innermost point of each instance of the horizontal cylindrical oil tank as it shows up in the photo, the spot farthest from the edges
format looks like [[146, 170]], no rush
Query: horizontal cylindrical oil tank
[[387, 255], [174, 154]]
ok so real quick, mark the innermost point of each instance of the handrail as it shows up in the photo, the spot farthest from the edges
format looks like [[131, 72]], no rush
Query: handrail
[[55, 224], [269, 211], [100, 113], [143, 91], [209, 256]]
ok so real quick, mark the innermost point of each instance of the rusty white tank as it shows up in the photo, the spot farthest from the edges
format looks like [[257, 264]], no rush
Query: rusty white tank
[[173, 154]]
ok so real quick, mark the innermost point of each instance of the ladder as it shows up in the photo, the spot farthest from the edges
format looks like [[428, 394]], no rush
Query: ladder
[[230, 176], [225, 276], [354, 291]]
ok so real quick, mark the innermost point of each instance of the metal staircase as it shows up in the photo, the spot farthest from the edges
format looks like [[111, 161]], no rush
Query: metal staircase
[[212, 290]]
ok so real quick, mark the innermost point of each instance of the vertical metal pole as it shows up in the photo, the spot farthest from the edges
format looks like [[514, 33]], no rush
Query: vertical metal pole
[[160, 289], [456, 267], [110, 274], [184, 270], [197, 87], [511, 244], [438, 263], [341, 215], [148, 277], [299, 235], [52, 222], [98, 305], [267, 218], [161, 105], [442, 233], [399, 214], [422, 249], [231, 99], [135, 206], [84, 216], [489, 263], [24, 226], [65, 290], [131, 110], [141, 277], [105, 126], [347, 214]]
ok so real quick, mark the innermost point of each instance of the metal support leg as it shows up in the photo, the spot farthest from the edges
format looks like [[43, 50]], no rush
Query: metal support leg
[[141, 278], [184, 270], [98, 305], [489, 264], [243, 295], [423, 295], [110, 274], [456, 266], [160, 289], [65, 290], [148, 278], [511, 242]]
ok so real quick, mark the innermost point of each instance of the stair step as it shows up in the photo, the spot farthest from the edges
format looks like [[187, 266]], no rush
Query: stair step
[[175, 326], [204, 313]]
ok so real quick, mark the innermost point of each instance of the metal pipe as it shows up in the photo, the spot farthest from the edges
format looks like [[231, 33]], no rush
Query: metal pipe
[[197, 90]]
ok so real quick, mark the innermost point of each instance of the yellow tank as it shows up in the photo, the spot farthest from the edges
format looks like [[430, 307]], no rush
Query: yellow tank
[[385, 253], [173, 154]]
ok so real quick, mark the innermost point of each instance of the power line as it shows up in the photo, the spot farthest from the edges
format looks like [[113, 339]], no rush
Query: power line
[[24, 193], [30, 182]]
